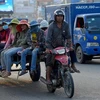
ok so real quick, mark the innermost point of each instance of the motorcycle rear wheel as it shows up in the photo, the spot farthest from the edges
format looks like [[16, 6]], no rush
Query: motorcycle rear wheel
[[68, 85]]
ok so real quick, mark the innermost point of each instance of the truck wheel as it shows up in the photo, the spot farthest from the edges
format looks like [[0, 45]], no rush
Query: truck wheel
[[79, 55], [36, 75]]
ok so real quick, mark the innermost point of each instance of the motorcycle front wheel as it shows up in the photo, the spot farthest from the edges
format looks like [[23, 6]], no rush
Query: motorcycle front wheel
[[68, 84]]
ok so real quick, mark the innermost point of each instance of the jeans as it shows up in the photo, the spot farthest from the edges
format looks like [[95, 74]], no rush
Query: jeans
[[2, 46], [8, 57], [34, 58], [2, 59], [23, 57], [1, 49]]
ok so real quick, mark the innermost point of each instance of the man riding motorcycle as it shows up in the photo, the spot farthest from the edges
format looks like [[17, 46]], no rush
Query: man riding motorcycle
[[58, 34]]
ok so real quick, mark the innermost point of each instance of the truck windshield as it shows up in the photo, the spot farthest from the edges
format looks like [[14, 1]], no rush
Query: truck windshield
[[93, 23]]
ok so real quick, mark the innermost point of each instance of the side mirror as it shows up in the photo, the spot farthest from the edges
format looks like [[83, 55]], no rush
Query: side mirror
[[86, 25]]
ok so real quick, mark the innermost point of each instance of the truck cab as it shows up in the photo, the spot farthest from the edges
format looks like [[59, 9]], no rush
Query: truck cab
[[86, 36]]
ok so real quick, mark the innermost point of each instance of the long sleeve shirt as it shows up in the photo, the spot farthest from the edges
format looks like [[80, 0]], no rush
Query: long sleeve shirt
[[22, 39], [38, 38], [10, 40], [56, 36], [4, 34]]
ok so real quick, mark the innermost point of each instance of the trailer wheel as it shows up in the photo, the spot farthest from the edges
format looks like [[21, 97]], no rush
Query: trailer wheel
[[36, 75], [81, 58]]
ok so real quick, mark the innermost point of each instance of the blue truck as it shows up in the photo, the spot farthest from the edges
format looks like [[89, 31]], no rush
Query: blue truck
[[84, 23]]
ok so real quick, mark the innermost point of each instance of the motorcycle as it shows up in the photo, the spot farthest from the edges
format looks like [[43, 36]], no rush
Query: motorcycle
[[60, 75]]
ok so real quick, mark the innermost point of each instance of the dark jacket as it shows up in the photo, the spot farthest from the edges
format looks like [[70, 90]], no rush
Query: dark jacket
[[56, 36], [22, 39], [40, 39]]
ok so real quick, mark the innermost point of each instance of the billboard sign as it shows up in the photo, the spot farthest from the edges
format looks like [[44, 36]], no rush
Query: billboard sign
[[2, 1], [6, 6]]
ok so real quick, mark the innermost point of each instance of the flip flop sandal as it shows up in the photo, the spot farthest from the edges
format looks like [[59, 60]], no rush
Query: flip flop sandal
[[22, 73]]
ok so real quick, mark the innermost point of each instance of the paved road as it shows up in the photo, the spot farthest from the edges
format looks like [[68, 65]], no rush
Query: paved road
[[87, 86]]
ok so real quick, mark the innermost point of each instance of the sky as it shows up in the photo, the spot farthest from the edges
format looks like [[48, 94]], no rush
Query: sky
[[7, 6]]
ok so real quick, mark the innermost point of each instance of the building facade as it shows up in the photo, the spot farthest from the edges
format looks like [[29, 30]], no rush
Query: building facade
[[33, 9]]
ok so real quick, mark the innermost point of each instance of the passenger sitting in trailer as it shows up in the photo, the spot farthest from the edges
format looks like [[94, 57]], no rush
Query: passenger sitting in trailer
[[4, 34], [13, 35], [20, 44], [38, 41], [22, 56]]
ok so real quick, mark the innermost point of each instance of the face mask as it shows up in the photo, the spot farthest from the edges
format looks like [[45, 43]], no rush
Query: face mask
[[34, 29], [5, 27]]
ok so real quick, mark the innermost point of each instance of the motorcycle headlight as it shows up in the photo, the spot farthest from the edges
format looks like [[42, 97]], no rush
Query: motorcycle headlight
[[61, 51], [92, 44]]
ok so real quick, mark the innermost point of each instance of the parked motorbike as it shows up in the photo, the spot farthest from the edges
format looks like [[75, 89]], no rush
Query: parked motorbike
[[60, 75]]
